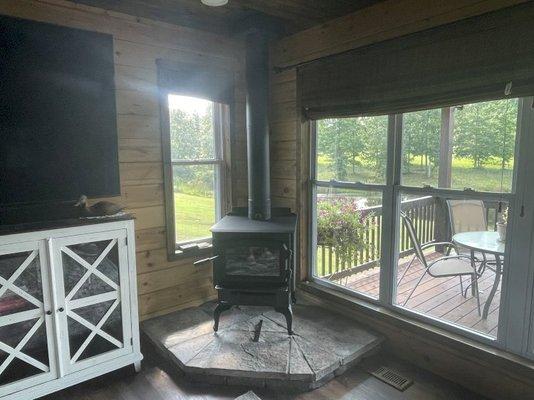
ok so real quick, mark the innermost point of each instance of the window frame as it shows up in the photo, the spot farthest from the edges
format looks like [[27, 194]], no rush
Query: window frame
[[221, 124], [513, 333]]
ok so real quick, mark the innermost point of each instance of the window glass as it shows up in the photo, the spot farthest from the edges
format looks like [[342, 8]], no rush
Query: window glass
[[352, 149], [192, 136], [440, 280], [469, 146], [196, 166], [349, 227], [194, 201]]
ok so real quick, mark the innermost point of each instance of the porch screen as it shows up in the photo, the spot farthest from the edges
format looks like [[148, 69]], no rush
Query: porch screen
[[482, 58]]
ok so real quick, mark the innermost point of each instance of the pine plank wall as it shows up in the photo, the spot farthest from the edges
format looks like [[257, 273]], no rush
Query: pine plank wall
[[163, 286]]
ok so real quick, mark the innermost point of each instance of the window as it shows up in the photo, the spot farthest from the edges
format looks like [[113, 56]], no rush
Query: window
[[194, 178], [469, 148], [424, 213], [351, 163]]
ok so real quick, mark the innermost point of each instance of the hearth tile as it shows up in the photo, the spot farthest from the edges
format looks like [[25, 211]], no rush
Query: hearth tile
[[299, 368], [235, 354], [182, 325], [185, 351], [176, 327], [336, 334], [321, 361], [267, 325], [250, 395]]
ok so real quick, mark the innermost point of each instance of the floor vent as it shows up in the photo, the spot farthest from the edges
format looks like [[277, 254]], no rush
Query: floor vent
[[392, 378]]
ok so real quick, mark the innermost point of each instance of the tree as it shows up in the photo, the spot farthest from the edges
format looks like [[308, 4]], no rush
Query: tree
[[421, 136], [485, 132], [353, 142], [374, 134], [192, 139]]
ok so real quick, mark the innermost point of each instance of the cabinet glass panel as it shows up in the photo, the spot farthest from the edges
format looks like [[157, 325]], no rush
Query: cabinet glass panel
[[91, 275], [23, 337]]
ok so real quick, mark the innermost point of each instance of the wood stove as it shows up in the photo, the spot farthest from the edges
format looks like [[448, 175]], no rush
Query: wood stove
[[253, 262]]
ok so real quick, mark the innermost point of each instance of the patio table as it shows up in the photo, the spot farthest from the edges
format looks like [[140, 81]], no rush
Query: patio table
[[484, 242]]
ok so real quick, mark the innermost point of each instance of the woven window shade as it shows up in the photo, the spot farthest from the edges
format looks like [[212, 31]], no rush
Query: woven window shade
[[482, 58], [210, 83]]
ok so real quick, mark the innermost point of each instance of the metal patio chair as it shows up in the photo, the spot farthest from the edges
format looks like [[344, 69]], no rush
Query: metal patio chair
[[470, 216], [451, 265]]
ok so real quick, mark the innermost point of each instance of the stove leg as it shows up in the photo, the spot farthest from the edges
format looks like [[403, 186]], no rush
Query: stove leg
[[288, 313], [221, 306]]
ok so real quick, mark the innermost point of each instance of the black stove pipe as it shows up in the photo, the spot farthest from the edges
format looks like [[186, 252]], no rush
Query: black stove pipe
[[257, 78]]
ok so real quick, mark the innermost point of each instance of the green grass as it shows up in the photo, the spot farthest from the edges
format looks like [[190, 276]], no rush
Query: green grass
[[464, 175], [194, 216]]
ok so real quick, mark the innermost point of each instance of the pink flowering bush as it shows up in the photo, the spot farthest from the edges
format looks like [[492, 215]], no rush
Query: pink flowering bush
[[341, 225]]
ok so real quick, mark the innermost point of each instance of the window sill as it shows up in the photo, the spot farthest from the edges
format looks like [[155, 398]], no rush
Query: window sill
[[389, 323], [193, 253]]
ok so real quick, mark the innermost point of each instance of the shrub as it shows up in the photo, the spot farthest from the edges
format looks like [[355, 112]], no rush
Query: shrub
[[341, 225]]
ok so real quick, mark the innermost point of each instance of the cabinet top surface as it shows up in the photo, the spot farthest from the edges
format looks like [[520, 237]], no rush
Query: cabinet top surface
[[58, 224]]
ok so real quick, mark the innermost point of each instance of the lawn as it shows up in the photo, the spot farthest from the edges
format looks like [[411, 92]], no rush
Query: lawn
[[194, 216], [464, 175]]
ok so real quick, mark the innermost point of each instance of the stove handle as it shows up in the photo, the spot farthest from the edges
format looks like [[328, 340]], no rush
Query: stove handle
[[286, 255], [205, 260]]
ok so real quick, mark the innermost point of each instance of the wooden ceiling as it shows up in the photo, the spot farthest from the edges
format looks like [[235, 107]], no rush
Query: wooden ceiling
[[286, 16]]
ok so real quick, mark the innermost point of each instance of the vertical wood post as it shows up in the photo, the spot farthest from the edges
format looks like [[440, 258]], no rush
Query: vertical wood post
[[445, 148], [441, 227]]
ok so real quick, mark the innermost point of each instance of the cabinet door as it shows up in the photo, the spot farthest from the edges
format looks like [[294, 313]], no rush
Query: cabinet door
[[92, 298], [27, 352]]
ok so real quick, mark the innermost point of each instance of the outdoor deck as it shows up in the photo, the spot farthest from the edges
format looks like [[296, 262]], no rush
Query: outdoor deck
[[436, 297]]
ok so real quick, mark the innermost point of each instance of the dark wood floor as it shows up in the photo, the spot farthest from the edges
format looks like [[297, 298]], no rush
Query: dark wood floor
[[156, 381]]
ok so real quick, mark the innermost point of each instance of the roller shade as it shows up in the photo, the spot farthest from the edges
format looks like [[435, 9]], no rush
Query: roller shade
[[482, 58], [211, 83]]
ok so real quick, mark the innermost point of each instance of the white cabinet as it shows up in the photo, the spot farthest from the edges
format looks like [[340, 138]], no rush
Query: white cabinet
[[68, 307]]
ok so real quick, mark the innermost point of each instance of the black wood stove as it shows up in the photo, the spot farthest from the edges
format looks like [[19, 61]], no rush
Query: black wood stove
[[253, 262]]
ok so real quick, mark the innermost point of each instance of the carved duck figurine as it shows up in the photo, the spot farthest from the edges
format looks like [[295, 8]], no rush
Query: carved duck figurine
[[98, 209]]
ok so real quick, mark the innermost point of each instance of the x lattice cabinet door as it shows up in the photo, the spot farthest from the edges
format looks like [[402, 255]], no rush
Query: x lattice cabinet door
[[27, 352], [92, 297]]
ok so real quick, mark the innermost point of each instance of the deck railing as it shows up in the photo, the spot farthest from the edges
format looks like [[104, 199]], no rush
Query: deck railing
[[423, 212]]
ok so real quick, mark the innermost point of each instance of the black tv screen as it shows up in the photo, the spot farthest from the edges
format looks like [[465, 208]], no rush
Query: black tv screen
[[58, 134]]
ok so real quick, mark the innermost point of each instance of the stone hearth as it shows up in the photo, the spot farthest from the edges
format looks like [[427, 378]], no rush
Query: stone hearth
[[324, 345]]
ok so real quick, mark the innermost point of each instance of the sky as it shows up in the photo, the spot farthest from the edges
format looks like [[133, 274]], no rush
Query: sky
[[189, 105]]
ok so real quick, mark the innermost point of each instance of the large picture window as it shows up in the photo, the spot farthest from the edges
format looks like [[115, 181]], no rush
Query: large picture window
[[415, 211], [194, 181]]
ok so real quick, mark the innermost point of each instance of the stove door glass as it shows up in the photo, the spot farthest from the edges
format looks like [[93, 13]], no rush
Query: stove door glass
[[254, 260]]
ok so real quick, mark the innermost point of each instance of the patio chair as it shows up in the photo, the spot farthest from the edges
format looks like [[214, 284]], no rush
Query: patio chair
[[446, 266], [469, 216]]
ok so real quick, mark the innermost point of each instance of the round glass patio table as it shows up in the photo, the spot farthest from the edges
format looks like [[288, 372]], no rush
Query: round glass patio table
[[488, 243]]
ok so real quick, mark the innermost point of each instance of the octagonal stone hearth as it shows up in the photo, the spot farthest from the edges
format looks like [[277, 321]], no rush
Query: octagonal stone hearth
[[324, 344]]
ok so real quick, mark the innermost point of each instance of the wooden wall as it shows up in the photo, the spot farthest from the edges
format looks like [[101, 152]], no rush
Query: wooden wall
[[163, 286]]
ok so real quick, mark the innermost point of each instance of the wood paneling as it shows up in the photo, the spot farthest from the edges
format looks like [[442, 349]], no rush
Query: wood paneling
[[289, 15], [382, 21], [163, 286]]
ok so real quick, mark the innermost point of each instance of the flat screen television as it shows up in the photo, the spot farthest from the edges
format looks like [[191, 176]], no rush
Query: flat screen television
[[58, 133]]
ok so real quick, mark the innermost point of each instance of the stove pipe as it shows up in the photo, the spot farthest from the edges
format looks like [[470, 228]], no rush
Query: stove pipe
[[257, 79]]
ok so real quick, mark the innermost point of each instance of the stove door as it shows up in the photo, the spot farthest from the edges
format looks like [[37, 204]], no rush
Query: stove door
[[252, 261]]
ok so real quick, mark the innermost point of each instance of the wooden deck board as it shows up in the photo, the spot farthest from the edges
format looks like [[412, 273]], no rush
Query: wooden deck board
[[436, 297]]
